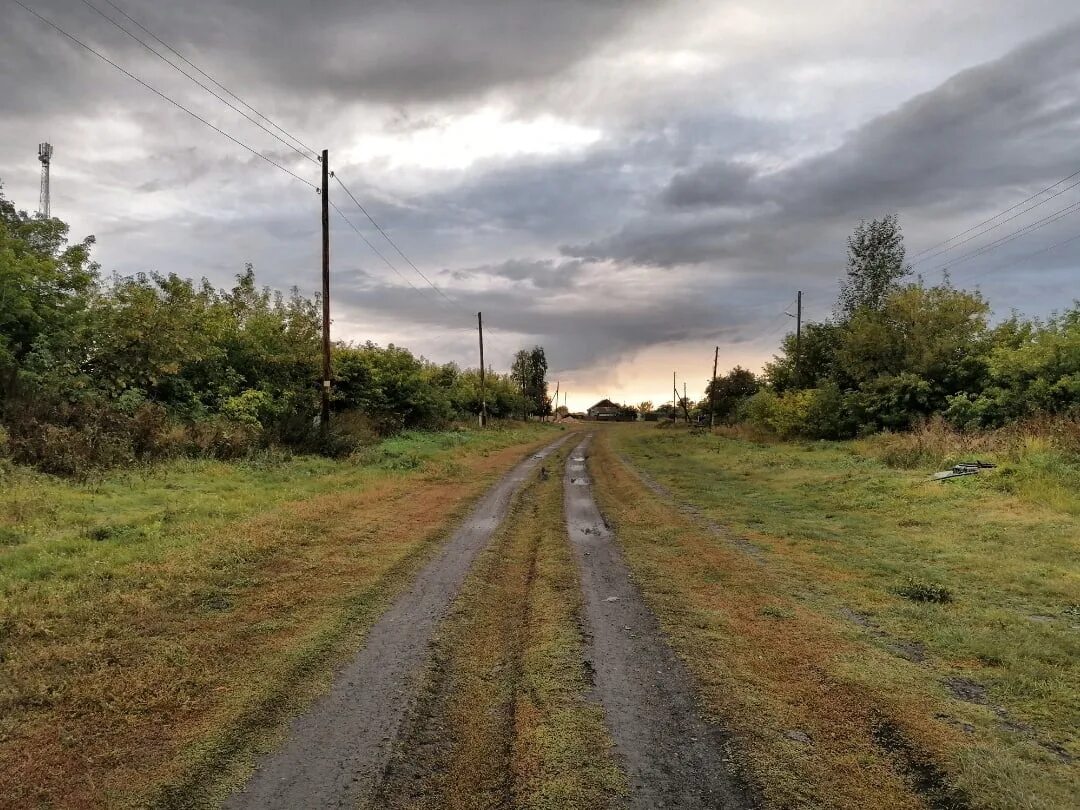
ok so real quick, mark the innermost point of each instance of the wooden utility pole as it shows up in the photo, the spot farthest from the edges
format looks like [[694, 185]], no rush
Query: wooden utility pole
[[685, 404], [555, 411], [712, 390], [798, 335], [674, 399], [483, 391], [324, 414]]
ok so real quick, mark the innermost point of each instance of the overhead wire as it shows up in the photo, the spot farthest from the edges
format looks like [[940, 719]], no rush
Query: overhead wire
[[210, 78], [382, 231], [394, 244], [1006, 211], [1061, 213], [209, 90], [1032, 255], [997, 225], [159, 93]]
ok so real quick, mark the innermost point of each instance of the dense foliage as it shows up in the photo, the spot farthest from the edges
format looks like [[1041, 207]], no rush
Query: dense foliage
[[896, 352], [107, 371], [529, 372]]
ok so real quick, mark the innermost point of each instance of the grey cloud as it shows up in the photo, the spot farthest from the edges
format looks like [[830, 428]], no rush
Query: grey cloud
[[391, 50], [719, 183], [989, 135]]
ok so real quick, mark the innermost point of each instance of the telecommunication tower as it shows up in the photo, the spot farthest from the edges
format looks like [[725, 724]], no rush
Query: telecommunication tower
[[45, 156]]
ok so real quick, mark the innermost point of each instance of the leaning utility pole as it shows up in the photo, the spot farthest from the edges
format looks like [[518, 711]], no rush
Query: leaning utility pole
[[324, 414], [483, 394], [45, 152], [712, 390]]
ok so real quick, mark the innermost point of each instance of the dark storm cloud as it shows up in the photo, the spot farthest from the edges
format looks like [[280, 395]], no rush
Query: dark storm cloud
[[714, 184], [990, 133], [540, 273], [398, 51], [572, 327]]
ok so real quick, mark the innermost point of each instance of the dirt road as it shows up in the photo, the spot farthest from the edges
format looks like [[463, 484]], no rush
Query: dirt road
[[334, 752], [673, 758]]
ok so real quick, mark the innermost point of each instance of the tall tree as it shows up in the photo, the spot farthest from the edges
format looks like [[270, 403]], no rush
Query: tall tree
[[729, 390], [876, 263], [530, 366]]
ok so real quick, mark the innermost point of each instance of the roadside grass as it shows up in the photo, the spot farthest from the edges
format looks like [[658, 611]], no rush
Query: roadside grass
[[156, 627], [503, 719], [923, 636]]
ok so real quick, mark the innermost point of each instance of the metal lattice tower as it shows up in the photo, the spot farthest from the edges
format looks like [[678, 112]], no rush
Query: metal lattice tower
[[45, 151]]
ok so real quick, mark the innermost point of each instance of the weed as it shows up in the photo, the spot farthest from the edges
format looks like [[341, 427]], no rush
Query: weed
[[918, 590], [777, 612], [11, 536]]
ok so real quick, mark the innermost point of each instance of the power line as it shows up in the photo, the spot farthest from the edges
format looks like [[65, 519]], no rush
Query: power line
[[157, 92], [1033, 254], [1061, 213], [1006, 211], [373, 248], [209, 90], [210, 78], [999, 224], [386, 236], [234, 139]]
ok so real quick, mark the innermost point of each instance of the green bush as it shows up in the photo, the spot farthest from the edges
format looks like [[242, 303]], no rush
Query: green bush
[[920, 591]]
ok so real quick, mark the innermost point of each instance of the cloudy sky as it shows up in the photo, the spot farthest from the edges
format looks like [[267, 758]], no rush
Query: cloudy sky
[[626, 182]]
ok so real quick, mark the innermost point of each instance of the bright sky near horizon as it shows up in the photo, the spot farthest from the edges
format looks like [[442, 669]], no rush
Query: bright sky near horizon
[[627, 183]]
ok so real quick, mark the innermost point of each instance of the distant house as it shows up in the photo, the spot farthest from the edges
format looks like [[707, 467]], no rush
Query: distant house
[[604, 411]]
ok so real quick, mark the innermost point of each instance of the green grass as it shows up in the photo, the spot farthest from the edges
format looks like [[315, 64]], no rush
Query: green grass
[[979, 575], [157, 624]]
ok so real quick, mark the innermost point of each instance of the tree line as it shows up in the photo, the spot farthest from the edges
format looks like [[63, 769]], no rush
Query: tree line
[[897, 350], [110, 370]]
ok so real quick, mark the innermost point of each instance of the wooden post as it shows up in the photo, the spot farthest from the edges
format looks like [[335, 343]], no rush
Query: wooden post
[[712, 390], [674, 399], [483, 391], [324, 413], [798, 336]]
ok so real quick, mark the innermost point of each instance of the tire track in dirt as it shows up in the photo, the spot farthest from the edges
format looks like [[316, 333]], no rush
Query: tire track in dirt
[[334, 752], [672, 756]]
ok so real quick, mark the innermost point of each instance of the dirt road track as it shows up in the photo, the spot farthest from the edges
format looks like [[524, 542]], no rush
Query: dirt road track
[[335, 752], [673, 758]]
